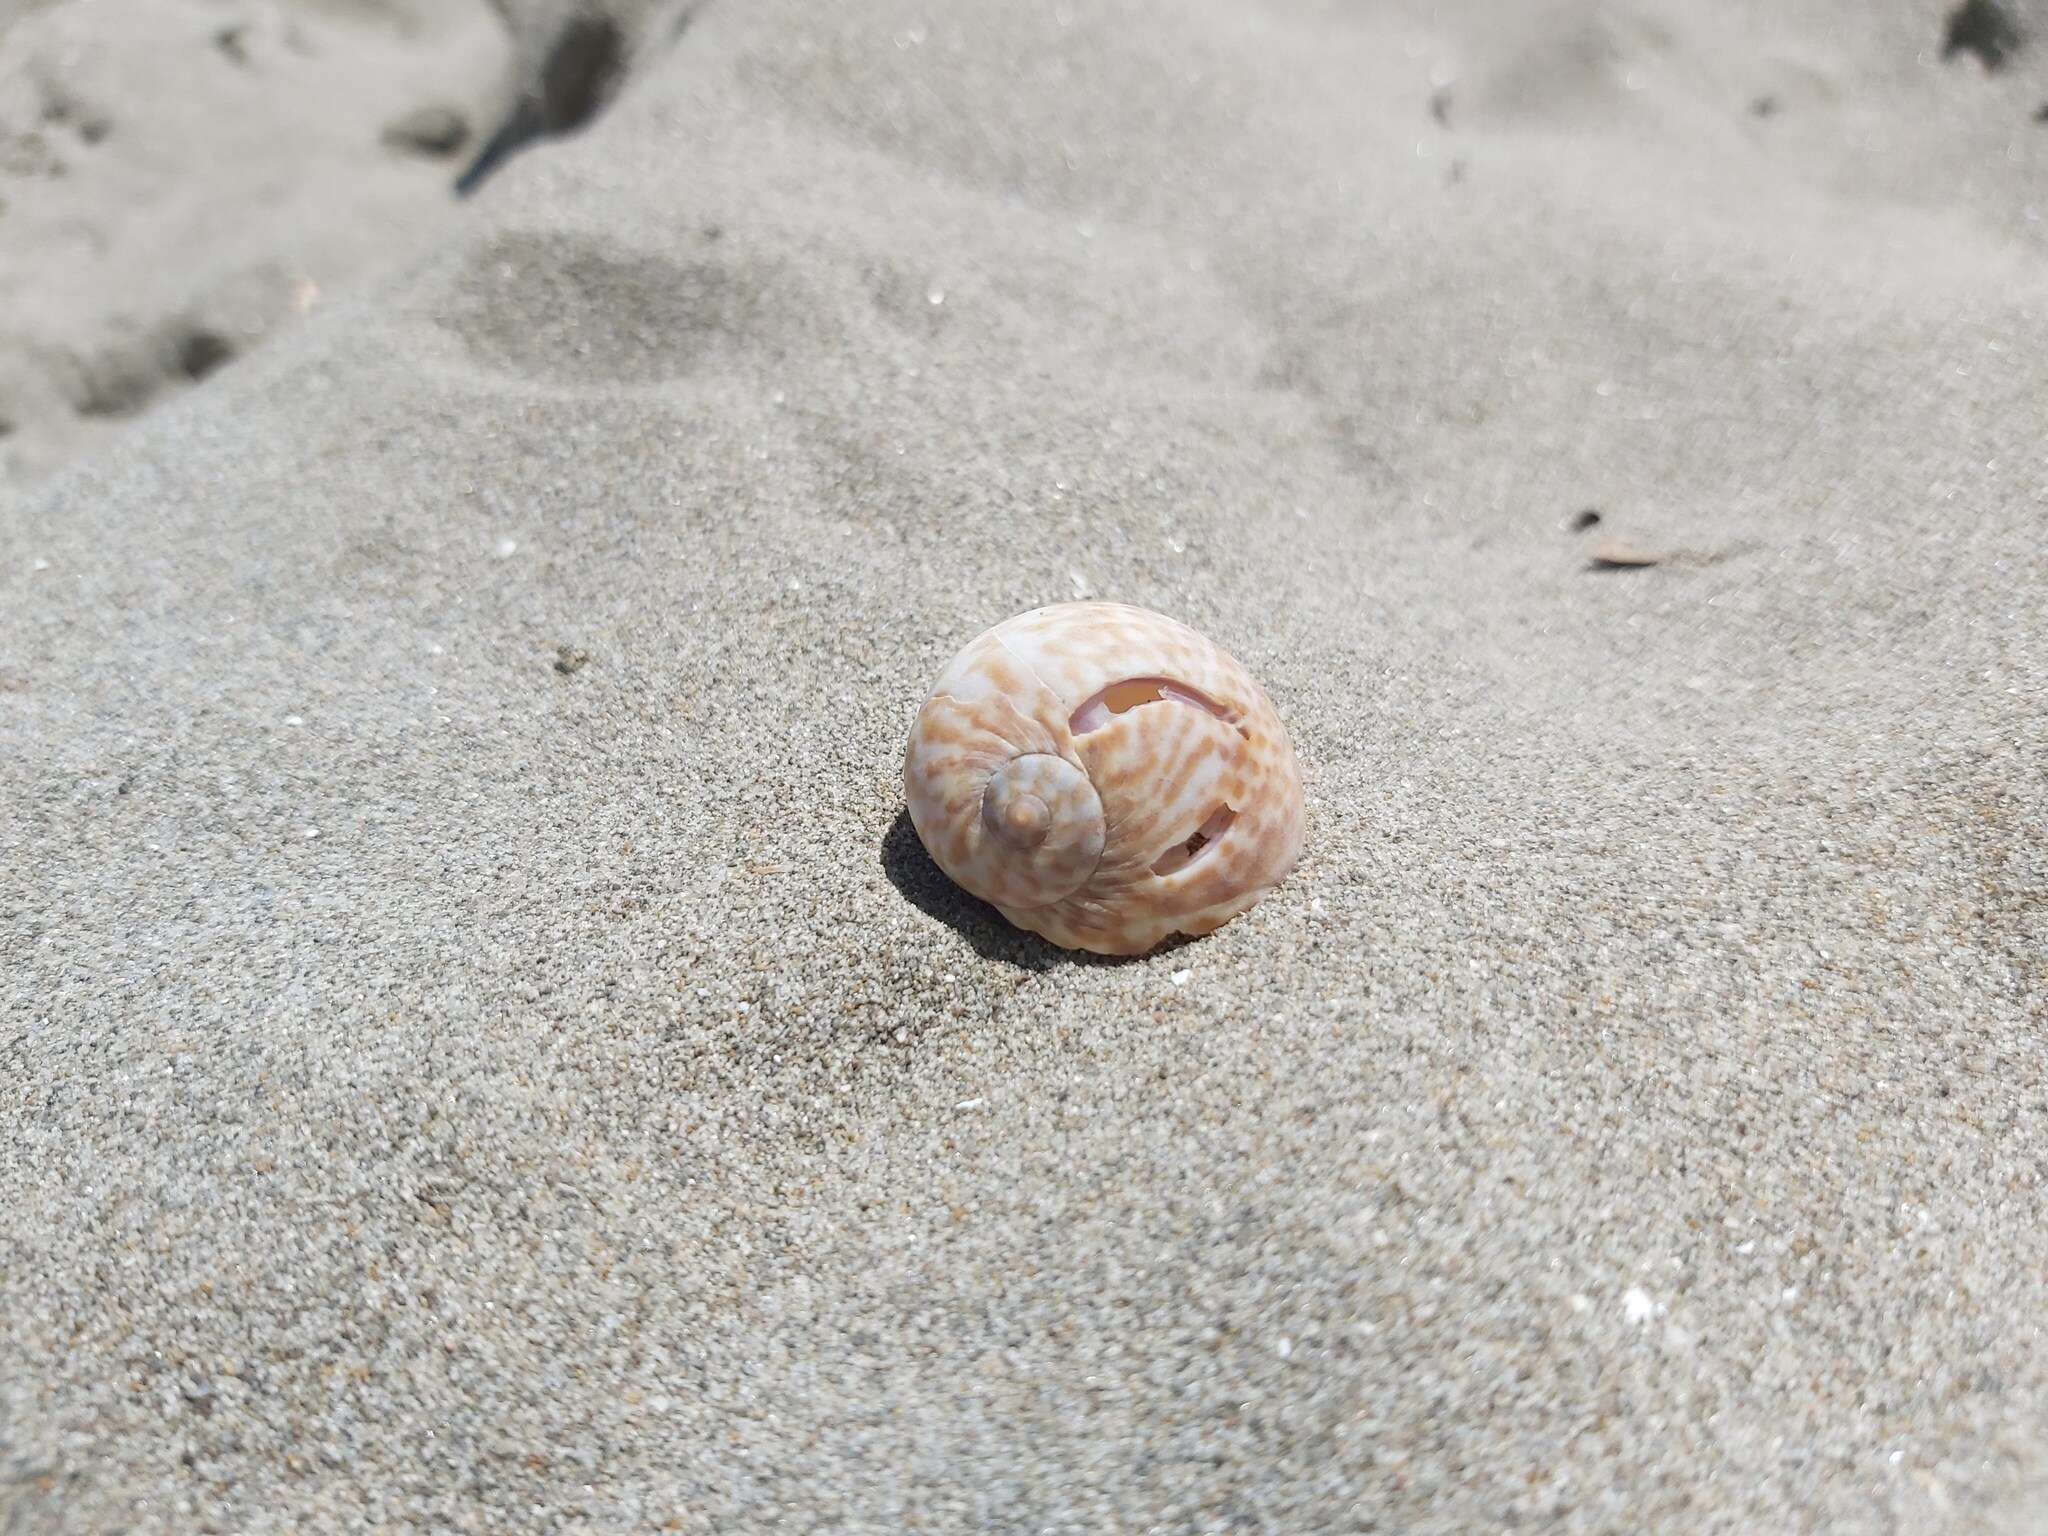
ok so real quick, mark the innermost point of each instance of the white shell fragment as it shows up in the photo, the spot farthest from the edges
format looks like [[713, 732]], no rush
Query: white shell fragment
[[1105, 777]]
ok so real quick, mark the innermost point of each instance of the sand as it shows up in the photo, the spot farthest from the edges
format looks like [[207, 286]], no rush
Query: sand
[[483, 1050], [181, 180]]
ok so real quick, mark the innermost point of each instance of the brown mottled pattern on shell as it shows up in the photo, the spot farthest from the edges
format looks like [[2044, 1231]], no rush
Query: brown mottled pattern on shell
[[1158, 773], [1072, 849], [993, 713]]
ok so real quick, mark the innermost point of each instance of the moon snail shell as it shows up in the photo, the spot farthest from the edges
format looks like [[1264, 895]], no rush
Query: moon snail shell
[[1105, 776]]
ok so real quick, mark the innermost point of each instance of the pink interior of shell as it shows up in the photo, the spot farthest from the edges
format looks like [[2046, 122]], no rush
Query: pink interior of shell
[[1181, 855], [1119, 698]]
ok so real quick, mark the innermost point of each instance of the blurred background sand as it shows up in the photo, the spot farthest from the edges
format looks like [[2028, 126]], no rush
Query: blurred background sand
[[483, 1049]]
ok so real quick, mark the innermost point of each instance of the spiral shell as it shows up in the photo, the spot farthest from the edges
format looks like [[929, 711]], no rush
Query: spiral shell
[[1105, 777]]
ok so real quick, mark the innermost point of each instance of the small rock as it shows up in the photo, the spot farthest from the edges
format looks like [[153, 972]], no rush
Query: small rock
[[1620, 555], [569, 660], [1583, 519], [430, 130]]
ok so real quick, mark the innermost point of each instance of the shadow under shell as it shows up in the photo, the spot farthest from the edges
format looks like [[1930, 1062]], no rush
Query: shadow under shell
[[911, 870]]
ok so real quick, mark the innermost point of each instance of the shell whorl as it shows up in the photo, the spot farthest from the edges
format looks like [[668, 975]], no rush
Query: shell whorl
[[1009, 814], [1105, 776]]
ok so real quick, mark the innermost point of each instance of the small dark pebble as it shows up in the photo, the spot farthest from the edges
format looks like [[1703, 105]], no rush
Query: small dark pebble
[[1764, 106], [2042, 115], [569, 661], [1579, 522], [201, 352], [1440, 106]]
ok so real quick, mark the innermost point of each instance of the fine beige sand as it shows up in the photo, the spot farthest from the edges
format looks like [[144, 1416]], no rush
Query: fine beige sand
[[482, 1050], [180, 179]]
